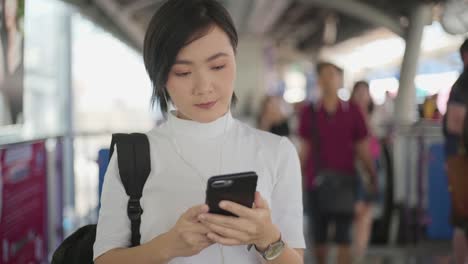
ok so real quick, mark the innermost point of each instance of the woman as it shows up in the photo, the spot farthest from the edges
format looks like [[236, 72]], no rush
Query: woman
[[272, 118], [189, 53], [363, 210]]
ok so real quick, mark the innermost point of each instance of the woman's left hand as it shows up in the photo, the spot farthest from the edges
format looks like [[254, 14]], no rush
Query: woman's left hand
[[253, 226]]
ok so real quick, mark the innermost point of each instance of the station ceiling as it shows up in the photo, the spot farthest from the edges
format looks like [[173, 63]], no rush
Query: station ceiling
[[303, 24]]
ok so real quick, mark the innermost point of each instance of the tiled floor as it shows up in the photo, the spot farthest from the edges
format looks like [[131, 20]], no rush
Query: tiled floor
[[434, 252], [425, 252]]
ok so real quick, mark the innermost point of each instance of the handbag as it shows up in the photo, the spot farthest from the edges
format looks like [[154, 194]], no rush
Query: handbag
[[457, 167], [457, 170], [336, 191]]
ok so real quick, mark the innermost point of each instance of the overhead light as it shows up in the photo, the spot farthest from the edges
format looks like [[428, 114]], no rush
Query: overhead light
[[454, 17], [295, 87]]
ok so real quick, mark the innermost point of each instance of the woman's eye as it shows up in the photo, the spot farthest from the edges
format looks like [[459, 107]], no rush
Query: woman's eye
[[182, 74], [217, 68]]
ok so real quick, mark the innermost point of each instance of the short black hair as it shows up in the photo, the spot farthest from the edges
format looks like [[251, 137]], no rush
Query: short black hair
[[176, 24], [464, 48], [324, 64]]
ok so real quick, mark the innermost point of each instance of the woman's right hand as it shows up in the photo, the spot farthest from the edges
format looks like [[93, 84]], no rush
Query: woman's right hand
[[189, 237]]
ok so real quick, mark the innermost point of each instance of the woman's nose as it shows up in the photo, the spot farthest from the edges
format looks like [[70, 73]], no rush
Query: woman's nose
[[203, 84]]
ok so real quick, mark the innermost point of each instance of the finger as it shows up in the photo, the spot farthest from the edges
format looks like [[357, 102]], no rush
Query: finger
[[193, 212], [224, 241], [226, 221], [236, 209], [229, 233], [260, 202]]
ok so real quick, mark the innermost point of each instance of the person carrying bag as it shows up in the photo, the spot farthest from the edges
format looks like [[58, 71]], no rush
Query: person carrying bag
[[334, 135], [455, 143], [336, 191]]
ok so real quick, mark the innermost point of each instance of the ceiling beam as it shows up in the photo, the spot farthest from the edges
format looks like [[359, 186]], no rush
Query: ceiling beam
[[244, 13], [123, 20], [265, 14], [138, 5], [363, 11]]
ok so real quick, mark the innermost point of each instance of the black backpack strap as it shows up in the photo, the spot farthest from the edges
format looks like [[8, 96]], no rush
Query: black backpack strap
[[133, 154], [314, 129]]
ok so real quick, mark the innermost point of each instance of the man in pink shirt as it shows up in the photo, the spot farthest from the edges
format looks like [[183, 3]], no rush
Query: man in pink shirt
[[343, 136]]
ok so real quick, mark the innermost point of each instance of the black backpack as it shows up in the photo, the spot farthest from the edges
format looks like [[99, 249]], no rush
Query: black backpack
[[133, 154], [465, 134]]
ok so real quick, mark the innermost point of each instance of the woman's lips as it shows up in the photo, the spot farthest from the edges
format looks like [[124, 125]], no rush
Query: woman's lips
[[206, 105]]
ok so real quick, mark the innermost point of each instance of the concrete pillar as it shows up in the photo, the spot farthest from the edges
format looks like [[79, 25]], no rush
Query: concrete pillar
[[406, 100], [65, 81], [406, 110]]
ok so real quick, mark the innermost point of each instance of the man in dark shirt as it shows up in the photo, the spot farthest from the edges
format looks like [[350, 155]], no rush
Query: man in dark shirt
[[343, 137], [453, 130]]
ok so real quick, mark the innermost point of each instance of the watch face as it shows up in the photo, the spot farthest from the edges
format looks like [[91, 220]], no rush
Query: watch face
[[274, 251]]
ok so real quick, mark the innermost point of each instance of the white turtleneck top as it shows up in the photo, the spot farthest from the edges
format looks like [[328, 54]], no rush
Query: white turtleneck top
[[174, 185]]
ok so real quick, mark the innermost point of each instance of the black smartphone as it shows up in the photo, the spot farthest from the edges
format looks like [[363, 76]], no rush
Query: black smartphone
[[239, 188]]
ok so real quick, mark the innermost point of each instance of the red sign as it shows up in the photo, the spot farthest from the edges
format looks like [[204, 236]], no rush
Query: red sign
[[23, 204]]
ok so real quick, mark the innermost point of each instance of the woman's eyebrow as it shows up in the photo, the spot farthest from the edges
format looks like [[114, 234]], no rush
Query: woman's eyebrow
[[217, 55], [211, 58]]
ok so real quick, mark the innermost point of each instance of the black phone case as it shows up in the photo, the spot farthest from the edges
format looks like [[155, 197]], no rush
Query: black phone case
[[241, 190]]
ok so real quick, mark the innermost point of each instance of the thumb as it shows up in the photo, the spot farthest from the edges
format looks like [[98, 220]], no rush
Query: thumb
[[260, 202], [193, 212]]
